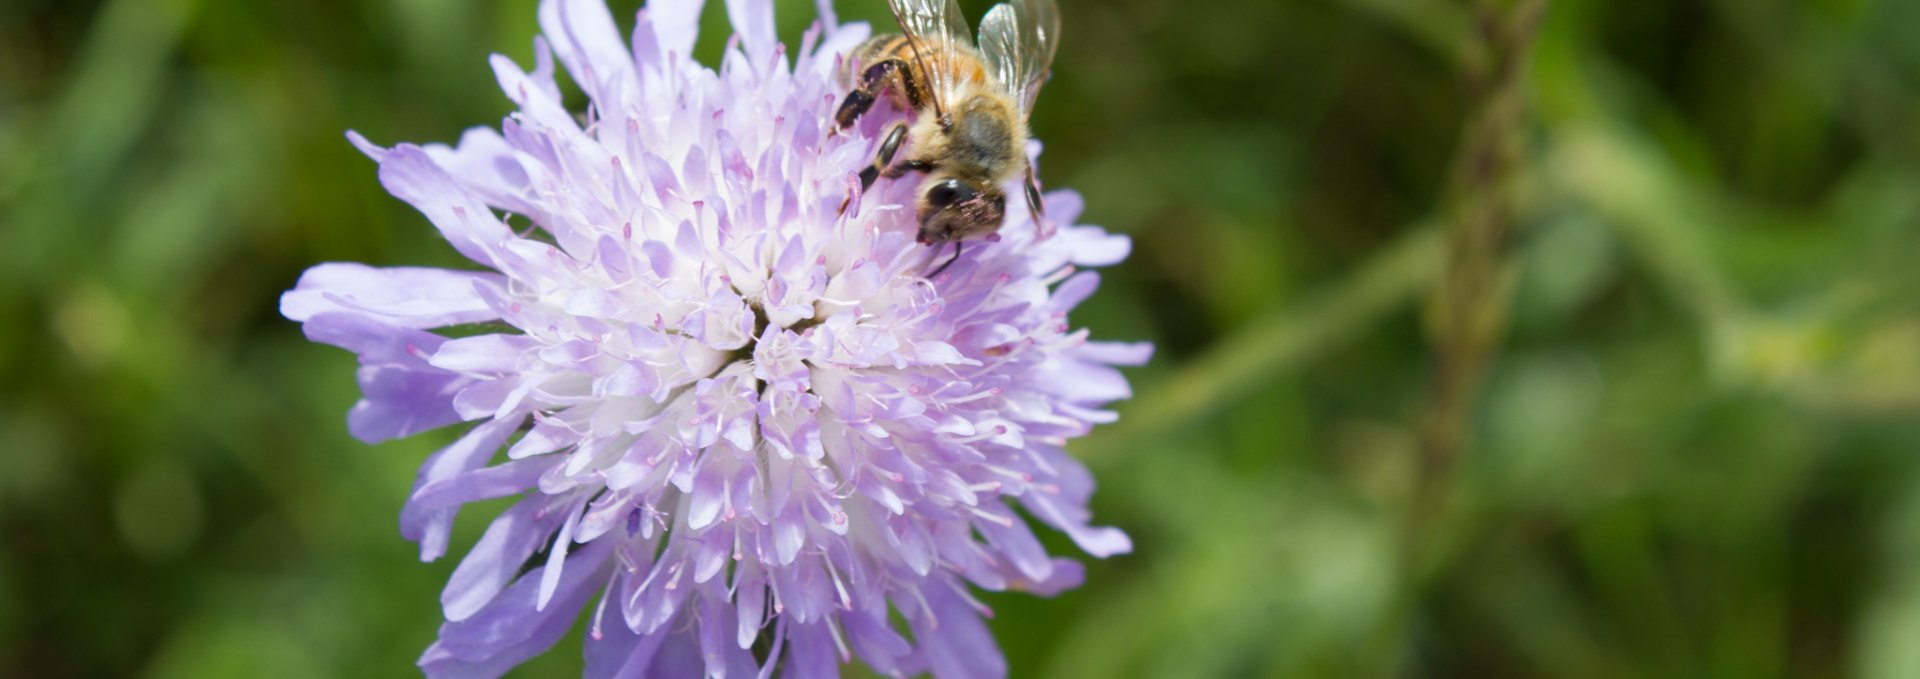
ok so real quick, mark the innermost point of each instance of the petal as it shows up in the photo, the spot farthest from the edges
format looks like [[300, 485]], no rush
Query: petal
[[583, 36], [753, 25], [1081, 382], [486, 164], [650, 603], [840, 39], [410, 175], [495, 354], [557, 556], [511, 628], [615, 652], [679, 656], [404, 296], [1064, 205], [372, 150], [667, 27], [810, 652], [789, 535], [824, 9], [953, 640], [493, 562], [608, 645], [750, 599], [803, 588], [1067, 574], [485, 483], [377, 342], [538, 106], [1094, 247], [876, 641], [704, 500], [1101, 541], [490, 398], [1074, 290], [1117, 353], [400, 402], [430, 527], [723, 657], [1017, 542]]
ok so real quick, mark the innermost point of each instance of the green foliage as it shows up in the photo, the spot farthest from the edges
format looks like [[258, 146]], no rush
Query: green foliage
[[1693, 455]]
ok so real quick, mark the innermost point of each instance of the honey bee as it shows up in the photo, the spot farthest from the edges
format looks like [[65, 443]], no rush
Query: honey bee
[[968, 132]]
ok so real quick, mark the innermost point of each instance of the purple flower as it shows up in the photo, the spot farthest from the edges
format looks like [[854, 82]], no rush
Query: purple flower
[[742, 426]]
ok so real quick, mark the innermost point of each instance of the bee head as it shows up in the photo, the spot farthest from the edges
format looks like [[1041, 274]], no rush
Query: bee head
[[952, 209]]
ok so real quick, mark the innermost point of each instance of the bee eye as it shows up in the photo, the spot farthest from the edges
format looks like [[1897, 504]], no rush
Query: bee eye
[[947, 193]]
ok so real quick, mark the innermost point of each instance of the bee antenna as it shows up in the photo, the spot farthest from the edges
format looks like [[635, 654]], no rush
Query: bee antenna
[[1037, 206], [943, 267]]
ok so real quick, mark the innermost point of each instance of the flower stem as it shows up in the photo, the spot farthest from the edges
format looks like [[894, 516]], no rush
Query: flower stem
[[1468, 307]]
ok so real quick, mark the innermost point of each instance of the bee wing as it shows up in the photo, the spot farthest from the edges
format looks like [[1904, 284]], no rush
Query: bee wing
[[938, 33], [1018, 41]]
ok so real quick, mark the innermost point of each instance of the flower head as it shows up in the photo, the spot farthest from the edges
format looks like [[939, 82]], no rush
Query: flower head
[[742, 424]]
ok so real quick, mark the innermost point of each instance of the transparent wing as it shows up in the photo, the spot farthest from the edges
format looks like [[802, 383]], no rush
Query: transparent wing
[[1018, 41], [939, 34]]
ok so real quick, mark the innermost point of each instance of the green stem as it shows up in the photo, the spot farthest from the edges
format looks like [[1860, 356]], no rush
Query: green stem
[[1467, 312], [1659, 216], [1467, 309]]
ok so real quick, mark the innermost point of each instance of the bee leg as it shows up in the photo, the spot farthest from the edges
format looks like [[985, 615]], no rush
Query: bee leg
[[1034, 203], [883, 160], [873, 82], [889, 147], [943, 267], [896, 170], [856, 103], [1037, 207]]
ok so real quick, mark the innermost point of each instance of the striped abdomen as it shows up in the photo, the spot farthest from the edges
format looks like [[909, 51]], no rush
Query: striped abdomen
[[963, 69]]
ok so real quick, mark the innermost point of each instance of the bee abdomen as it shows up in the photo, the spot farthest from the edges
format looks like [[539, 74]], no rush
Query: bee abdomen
[[886, 47], [875, 50]]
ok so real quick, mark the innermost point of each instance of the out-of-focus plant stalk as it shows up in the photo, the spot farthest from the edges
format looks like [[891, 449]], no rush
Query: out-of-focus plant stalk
[[1468, 307]]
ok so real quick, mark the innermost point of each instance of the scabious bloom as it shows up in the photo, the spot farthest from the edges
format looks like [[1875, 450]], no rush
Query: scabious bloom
[[742, 424]]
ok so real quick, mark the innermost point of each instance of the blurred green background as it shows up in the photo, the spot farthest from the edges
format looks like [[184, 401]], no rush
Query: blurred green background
[[1693, 455]]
